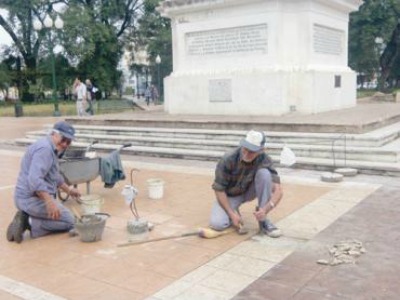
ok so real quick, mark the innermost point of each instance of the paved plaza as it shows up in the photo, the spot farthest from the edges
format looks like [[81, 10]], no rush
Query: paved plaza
[[313, 215]]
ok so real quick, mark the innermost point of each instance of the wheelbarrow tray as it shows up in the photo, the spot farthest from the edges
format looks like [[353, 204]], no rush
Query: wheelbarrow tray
[[80, 170]]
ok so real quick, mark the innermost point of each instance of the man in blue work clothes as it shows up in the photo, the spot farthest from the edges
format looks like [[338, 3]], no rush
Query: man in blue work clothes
[[242, 175], [35, 193]]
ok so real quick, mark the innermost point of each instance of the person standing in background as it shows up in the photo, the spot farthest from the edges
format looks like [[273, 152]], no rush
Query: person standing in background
[[90, 97], [81, 96], [154, 94], [147, 95]]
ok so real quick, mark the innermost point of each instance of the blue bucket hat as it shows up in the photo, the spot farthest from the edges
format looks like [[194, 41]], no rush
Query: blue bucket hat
[[65, 129]]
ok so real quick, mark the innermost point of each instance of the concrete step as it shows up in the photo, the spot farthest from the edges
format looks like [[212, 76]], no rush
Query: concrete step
[[360, 119], [376, 138], [326, 164], [323, 151], [313, 150]]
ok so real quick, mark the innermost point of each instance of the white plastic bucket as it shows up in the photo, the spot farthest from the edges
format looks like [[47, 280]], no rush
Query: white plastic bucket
[[91, 204], [156, 188]]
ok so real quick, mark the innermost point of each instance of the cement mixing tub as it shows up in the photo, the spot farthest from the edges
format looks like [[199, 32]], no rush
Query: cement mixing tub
[[78, 169]]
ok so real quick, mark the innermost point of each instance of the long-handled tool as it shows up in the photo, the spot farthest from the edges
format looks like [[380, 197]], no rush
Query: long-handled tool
[[76, 213], [206, 233]]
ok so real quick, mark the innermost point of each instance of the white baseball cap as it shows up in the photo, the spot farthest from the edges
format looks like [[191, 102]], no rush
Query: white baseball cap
[[254, 141]]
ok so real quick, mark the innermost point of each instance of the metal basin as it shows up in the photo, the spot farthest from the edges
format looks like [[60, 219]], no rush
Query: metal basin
[[80, 170]]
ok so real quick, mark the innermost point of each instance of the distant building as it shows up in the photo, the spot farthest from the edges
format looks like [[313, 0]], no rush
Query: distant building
[[132, 79]]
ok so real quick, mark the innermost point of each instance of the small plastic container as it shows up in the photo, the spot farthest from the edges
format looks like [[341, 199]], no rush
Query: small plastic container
[[155, 188], [91, 204]]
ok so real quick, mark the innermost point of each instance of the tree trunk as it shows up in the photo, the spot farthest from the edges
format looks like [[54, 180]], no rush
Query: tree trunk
[[389, 57]]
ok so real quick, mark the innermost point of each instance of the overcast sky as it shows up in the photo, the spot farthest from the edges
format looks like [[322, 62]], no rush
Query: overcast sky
[[4, 37]]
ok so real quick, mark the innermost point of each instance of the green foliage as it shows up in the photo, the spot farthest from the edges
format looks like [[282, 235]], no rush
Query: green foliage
[[92, 38], [154, 34], [375, 18], [97, 43], [5, 76]]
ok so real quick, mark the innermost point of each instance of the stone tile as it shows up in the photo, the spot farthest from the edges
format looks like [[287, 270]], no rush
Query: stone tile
[[338, 282], [268, 249], [287, 274], [13, 289], [139, 280], [79, 289], [241, 264], [312, 295], [112, 292], [308, 221], [199, 274], [8, 296], [306, 256], [178, 264], [226, 281], [173, 290], [40, 276], [351, 193], [266, 290], [199, 292], [83, 264], [252, 249]]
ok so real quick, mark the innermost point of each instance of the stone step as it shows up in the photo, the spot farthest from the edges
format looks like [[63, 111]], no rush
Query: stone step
[[368, 167], [372, 139], [301, 150]]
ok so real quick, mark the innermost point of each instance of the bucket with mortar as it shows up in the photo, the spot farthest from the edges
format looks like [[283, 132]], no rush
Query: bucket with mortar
[[90, 227], [91, 204], [156, 188]]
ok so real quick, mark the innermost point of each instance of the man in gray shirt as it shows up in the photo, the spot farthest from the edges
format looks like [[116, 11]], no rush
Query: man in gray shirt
[[242, 175], [35, 193]]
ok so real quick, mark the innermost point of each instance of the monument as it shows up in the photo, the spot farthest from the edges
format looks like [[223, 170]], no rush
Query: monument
[[259, 57]]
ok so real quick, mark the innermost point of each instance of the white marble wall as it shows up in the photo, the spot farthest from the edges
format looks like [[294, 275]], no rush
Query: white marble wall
[[259, 57]]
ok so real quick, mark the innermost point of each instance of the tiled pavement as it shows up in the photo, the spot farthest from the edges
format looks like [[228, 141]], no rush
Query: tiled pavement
[[374, 221], [313, 216]]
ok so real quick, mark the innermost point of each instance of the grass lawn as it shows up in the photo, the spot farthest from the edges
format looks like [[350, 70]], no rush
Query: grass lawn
[[41, 109], [362, 93]]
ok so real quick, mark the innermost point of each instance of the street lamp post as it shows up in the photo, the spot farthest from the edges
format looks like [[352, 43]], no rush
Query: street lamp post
[[158, 62], [48, 24], [142, 60]]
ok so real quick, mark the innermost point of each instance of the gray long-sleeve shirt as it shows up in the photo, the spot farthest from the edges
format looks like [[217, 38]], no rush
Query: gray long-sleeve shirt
[[234, 177], [39, 171]]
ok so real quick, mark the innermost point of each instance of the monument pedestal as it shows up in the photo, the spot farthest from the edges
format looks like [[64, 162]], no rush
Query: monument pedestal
[[259, 57]]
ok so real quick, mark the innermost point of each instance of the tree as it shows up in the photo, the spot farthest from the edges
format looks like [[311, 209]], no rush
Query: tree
[[98, 42], [7, 71], [92, 37], [375, 18], [18, 25], [154, 35]]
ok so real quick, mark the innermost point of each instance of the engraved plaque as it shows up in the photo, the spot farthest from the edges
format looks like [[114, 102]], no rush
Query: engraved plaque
[[238, 40], [220, 90], [328, 40]]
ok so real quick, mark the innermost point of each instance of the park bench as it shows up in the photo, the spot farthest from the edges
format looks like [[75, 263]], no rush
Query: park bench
[[114, 105]]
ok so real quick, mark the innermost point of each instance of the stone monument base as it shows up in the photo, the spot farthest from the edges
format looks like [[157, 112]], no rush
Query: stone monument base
[[253, 57], [260, 92]]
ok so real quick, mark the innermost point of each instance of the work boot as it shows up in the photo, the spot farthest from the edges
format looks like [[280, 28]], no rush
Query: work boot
[[270, 229], [17, 227]]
